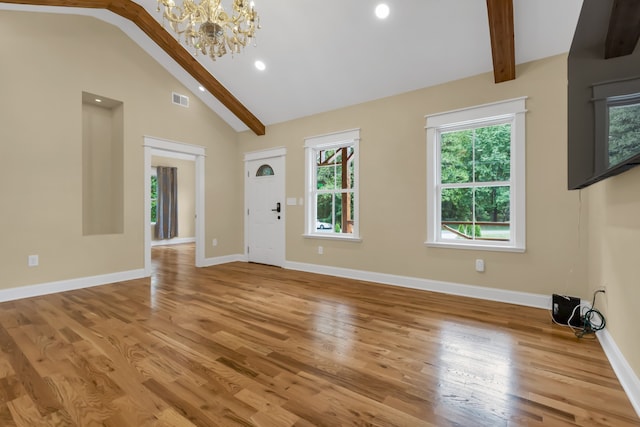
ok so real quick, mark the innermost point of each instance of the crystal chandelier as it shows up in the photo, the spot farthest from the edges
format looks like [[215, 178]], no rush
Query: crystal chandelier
[[206, 26]]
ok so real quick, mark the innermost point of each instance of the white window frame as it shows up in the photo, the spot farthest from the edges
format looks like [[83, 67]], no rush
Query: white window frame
[[510, 111], [329, 142]]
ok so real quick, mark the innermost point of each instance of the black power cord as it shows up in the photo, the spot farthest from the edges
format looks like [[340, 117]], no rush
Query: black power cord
[[592, 320]]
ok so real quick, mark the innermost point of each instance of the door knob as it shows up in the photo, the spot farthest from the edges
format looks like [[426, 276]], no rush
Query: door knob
[[277, 209]]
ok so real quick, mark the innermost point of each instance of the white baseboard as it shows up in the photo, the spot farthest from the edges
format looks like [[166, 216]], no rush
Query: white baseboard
[[501, 295], [174, 241], [208, 262], [68, 285], [627, 377]]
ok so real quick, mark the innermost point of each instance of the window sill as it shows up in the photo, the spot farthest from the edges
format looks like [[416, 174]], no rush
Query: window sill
[[332, 237], [475, 247]]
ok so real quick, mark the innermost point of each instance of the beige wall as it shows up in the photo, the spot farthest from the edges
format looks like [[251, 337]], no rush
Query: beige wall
[[47, 62], [186, 194], [393, 186], [614, 237]]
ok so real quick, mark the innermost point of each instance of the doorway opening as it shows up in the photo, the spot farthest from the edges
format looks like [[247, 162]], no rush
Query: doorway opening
[[164, 148]]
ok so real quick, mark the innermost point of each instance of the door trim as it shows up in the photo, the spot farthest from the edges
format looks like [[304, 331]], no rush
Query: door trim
[[262, 155], [161, 147], [265, 154]]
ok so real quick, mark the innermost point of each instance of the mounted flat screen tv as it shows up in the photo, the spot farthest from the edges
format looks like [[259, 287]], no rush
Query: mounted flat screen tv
[[603, 101], [617, 127]]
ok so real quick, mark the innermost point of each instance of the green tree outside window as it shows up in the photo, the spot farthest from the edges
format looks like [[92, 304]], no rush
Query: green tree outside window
[[475, 173]]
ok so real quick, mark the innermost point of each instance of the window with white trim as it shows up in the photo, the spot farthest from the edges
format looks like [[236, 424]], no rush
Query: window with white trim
[[476, 177], [331, 182]]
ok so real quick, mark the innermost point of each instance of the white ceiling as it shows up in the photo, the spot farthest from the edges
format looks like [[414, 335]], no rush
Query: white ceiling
[[326, 54]]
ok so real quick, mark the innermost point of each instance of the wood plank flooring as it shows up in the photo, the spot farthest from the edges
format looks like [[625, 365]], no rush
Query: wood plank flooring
[[251, 345]]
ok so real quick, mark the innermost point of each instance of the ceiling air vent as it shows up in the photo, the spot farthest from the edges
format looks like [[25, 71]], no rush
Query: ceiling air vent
[[180, 99]]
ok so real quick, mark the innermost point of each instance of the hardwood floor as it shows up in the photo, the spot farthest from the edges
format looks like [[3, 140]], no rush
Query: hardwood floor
[[244, 344]]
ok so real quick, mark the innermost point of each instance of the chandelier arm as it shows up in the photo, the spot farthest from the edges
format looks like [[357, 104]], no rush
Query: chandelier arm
[[214, 10], [178, 14]]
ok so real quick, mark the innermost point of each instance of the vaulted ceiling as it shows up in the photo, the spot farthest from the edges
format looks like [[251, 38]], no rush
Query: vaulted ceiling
[[323, 55]]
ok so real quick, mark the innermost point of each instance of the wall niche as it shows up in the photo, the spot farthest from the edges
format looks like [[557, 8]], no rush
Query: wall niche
[[102, 165]]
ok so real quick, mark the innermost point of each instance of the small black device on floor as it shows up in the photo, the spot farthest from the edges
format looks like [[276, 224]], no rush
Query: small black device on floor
[[563, 307]]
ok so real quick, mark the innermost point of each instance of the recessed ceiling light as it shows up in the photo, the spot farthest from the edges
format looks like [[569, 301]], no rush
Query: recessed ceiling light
[[201, 88], [382, 11], [260, 65], [98, 100]]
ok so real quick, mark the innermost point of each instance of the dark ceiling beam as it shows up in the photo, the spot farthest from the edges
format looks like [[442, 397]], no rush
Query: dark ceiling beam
[[151, 27], [502, 40], [624, 28]]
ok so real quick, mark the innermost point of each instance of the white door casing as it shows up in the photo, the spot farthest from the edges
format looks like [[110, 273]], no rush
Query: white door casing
[[264, 196], [163, 147]]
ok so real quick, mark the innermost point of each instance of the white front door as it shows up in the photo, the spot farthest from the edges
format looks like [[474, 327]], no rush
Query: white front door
[[265, 210]]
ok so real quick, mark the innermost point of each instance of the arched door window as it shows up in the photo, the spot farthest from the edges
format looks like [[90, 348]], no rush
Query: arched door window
[[265, 170]]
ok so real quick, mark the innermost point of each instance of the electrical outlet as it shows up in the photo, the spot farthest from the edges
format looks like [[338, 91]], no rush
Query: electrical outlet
[[214, 242], [480, 265], [33, 261], [320, 250]]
